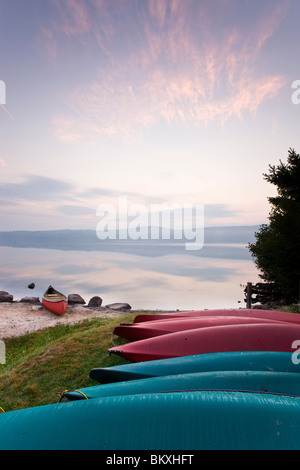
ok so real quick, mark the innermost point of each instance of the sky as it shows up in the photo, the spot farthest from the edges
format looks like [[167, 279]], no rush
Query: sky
[[161, 101]]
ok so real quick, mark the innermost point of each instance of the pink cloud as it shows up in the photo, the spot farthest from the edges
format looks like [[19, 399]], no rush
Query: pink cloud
[[158, 11], [46, 43], [180, 70], [75, 17], [269, 22]]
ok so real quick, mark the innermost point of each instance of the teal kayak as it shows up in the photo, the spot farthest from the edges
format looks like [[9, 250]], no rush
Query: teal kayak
[[248, 360], [169, 421], [286, 383]]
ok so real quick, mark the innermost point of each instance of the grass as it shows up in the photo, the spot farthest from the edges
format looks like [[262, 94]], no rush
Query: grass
[[295, 308], [42, 364]]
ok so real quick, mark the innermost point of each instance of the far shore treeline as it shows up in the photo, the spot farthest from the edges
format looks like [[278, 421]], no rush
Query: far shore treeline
[[87, 240]]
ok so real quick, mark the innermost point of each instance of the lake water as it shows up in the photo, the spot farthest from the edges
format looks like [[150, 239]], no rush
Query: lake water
[[145, 276]]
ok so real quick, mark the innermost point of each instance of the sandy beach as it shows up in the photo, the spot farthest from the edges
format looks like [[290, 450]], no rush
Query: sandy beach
[[20, 318]]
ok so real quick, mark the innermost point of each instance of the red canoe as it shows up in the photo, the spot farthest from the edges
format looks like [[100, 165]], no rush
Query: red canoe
[[54, 301], [269, 314], [251, 337], [144, 330]]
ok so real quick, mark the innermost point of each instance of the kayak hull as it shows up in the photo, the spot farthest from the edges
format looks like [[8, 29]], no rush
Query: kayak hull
[[284, 383], [169, 421], [268, 314], [252, 337], [234, 360], [144, 330]]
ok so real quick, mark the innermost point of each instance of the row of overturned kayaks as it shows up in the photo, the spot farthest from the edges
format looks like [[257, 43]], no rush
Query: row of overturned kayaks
[[190, 333], [218, 379]]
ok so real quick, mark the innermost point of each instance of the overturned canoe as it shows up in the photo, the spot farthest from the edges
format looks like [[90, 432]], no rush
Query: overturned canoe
[[269, 314], [144, 330], [234, 360], [170, 421], [251, 337], [284, 383], [54, 301]]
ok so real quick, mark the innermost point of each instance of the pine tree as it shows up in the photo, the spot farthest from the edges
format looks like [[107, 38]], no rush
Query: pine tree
[[276, 252]]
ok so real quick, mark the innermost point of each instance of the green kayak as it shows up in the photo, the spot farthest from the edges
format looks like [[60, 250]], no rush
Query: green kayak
[[170, 421], [285, 383], [235, 360]]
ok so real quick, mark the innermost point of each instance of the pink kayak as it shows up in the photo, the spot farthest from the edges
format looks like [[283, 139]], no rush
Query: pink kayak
[[144, 330], [251, 337], [268, 314]]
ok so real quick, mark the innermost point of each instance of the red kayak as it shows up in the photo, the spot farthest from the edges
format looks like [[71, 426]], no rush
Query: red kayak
[[54, 301], [144, 330], [251, 337], [268, 314]]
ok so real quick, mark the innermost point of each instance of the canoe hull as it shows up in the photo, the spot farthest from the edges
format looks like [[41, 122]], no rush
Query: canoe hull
[[268, 314], [58, 307], [54, 301], [144, 330], [168, 421], [237, 360], [252, 337], [284, 383]]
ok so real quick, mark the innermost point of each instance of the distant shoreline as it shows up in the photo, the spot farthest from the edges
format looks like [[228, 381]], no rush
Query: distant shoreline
[[88, 240]]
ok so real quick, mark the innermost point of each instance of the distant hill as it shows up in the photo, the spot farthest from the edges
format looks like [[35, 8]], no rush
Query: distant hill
[[86, 240]]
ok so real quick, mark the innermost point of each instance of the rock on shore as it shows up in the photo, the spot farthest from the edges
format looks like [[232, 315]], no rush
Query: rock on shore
[[6, 297], [73, 300]]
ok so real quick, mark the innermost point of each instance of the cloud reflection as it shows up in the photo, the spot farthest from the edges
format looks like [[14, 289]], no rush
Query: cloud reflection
[[169, 282]]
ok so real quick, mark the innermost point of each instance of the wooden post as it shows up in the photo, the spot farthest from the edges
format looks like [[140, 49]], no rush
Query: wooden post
[[249, 294]]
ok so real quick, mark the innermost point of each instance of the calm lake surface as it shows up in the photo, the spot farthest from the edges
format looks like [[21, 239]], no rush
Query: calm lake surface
[[145, 276]]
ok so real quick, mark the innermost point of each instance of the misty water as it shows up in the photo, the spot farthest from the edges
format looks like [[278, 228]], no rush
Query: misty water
[[146, 275]]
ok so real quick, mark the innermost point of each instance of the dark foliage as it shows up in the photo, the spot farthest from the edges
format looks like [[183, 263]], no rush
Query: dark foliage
[[276, 251]]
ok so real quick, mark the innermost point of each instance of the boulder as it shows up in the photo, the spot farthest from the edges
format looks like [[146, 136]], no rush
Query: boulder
[[119, 306], [95, 302], [30, 300], [75, 299], [6, 297]]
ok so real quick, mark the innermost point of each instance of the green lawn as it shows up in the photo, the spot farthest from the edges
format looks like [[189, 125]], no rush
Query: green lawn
[[41, 365]]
